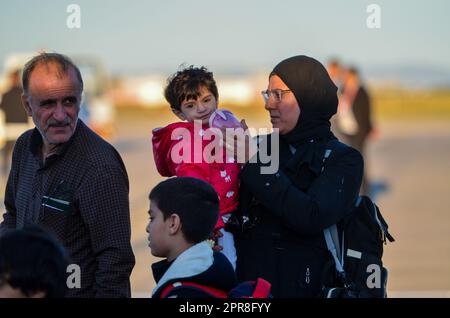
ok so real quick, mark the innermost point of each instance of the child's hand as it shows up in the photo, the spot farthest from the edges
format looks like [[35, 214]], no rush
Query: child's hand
[[217, 248], [215, 235], [213, 240]]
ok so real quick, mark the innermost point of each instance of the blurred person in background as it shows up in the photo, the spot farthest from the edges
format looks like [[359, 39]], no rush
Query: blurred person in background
[[353, 122], [16, 119], [336, 73]]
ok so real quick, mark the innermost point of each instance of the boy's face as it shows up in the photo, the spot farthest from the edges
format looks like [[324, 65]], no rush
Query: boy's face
[[158, 234], [199, 109]]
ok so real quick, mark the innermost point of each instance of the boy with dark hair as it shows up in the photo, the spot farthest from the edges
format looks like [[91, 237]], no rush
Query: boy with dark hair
[[32, 264], [193, 97], [177, 231]]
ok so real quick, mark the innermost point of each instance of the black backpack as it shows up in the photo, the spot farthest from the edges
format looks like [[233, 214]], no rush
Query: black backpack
[[356, 244]]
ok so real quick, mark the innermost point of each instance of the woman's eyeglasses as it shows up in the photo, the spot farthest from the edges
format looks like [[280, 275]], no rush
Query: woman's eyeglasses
[[277, 94]]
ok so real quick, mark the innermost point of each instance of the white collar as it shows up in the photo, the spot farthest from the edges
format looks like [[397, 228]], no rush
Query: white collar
[[191, 262]]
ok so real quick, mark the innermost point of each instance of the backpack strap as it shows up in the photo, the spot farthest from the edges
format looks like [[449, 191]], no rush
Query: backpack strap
[[262, 289], [381, 223], [332, 240], [331, 233], [214, 292]]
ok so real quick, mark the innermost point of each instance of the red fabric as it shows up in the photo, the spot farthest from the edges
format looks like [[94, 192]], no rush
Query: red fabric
[[262, 289], [211, 290], [222, 176]]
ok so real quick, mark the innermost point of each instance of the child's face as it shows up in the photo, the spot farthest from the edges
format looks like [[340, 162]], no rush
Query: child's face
[[157, 232], [199, 109]]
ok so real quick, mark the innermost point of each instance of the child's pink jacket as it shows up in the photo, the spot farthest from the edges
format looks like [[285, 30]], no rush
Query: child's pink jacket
[[222, 176]]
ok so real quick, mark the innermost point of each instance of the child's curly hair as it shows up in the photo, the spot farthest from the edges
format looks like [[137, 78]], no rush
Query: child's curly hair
[[186, 83]]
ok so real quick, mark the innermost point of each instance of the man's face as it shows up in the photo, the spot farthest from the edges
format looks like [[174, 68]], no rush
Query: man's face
[[53, 101]]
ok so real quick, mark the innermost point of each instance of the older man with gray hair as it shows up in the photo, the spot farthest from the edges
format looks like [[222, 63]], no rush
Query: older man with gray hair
[[67, 179]]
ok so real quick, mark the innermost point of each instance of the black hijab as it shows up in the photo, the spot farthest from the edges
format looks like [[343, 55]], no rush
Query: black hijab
[[316, 95]]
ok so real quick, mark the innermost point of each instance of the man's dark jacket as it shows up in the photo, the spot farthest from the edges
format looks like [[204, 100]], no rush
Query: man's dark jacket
[[80, 194]]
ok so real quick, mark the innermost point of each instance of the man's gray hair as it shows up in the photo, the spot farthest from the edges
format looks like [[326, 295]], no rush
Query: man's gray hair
[[63, 62]]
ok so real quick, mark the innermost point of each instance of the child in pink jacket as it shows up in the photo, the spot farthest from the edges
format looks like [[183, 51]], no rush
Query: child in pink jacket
[[181, 149]]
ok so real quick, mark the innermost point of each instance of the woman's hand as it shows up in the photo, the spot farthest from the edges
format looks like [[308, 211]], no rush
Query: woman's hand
[[239, 143]]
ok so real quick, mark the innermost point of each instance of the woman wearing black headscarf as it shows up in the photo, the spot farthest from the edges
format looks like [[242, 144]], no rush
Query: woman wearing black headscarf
[[290, 208]]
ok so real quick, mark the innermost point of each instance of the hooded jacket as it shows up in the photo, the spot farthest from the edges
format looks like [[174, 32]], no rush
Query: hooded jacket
[[198, 264], [169, 145]]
